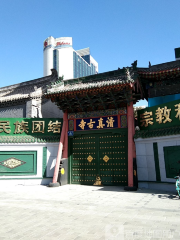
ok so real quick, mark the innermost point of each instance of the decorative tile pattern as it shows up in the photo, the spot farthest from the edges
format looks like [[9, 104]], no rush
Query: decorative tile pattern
[[108, 112], [71, 125], [71, 115], [122, 110], [82, 115], [12, 163], [124, 121], [157, 132], [28, 139]]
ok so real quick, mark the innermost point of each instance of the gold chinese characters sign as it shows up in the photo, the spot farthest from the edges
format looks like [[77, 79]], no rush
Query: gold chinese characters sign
[[160, 116], [30, 126], [97, 123]]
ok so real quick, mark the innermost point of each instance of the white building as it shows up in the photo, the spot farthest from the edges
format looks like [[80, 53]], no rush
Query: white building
[[60, 55]]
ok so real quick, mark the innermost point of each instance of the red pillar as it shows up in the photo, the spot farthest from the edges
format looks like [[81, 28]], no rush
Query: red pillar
[[65, 147], [134, 147], [59, 155], [130, 119]]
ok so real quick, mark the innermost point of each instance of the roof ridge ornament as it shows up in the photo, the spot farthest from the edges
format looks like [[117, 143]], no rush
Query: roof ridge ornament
[[134, 65], [54, 72], [128, 75]]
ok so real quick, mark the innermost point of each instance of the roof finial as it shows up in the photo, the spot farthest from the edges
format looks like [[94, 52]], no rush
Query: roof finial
[[134, 65]]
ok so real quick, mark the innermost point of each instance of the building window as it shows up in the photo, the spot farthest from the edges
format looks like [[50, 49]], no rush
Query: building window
[[56, 60]]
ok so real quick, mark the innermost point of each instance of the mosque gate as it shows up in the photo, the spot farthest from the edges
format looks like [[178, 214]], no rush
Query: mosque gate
[[98, 149]]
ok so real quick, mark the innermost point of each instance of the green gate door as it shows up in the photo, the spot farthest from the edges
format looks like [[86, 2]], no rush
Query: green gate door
[[172, 161], [84, 159], [102, 154]]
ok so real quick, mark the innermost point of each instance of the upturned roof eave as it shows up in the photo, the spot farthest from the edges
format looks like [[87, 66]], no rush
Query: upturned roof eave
[[94, 88]]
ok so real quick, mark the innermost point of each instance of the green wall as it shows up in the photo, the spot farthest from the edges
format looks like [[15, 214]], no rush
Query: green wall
[[174, 120], [14, 163]]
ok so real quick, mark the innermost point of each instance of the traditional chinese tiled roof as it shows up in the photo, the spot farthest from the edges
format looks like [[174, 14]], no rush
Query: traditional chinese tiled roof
[[161, 67], [137, 83], [96, 92], [26, 90], [160, 80], [28, 139], [109, 79], [157, 132], [160, 74], [83, 86]]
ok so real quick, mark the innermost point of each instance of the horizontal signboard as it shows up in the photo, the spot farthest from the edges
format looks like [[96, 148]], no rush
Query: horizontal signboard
[[96, 123], [30, 126], [161, 116]]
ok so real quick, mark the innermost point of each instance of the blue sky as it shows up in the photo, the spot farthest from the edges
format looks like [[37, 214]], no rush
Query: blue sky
[[117, 32]]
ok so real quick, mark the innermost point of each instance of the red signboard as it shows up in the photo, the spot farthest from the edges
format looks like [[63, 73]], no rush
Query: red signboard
[[62, 43]]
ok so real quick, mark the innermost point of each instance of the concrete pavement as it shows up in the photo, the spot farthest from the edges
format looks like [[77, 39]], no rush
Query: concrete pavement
[[75, 212]]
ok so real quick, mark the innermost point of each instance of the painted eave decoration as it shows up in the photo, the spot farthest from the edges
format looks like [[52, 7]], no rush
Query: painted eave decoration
[[161, 74], [88, 86], [160, 80]]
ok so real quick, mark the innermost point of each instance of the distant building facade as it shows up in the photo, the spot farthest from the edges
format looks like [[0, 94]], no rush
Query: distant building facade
[[30, 127], [177, 53], [60, 55]]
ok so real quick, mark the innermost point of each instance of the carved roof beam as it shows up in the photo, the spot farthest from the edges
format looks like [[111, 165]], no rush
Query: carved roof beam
[[101, 100], [81, 106], [90, 101], [114, 100], [68, 103]]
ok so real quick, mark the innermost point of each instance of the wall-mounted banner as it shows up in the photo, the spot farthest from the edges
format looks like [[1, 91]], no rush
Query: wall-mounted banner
[[30, 126], [161, 116], [96, 123]]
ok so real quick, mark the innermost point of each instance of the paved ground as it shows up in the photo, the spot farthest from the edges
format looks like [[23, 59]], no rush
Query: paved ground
[[87, 212]]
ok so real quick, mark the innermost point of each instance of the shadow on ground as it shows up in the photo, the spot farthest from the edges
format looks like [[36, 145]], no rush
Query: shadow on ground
[[170, 196], [162, 194]]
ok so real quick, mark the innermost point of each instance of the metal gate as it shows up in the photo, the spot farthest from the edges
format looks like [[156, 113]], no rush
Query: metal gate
[[100, 158]]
